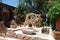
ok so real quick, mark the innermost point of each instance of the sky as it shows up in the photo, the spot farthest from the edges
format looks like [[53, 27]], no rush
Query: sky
[[11, 2]]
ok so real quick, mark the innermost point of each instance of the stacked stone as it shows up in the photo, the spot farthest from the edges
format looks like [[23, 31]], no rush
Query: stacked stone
[[34, 19]]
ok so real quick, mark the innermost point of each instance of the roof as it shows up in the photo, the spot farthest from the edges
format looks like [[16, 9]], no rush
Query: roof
[[7, 5]]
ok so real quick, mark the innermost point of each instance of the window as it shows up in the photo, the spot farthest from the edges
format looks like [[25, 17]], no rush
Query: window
[[0, 14]]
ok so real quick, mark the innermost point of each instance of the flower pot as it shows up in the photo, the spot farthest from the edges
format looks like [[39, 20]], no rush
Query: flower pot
[[58, 24]]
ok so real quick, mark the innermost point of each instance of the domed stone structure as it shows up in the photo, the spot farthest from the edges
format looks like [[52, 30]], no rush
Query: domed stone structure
[[34, 19]]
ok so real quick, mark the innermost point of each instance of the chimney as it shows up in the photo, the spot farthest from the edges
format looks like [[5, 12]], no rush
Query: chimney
[[0, 1]]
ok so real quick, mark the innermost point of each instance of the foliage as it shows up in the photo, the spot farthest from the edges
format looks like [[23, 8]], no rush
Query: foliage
[[22, 12], [26, 6], [52, 8], [54, 12]]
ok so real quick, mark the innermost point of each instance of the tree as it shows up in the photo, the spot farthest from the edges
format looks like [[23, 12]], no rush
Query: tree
[[26, 6], [54, 12]]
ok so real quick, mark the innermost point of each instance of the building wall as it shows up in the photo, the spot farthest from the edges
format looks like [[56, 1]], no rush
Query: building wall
[[6, 14], [5, 11]]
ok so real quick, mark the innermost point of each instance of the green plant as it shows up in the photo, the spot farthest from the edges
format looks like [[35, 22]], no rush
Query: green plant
[[54, 13], [26, 6]]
